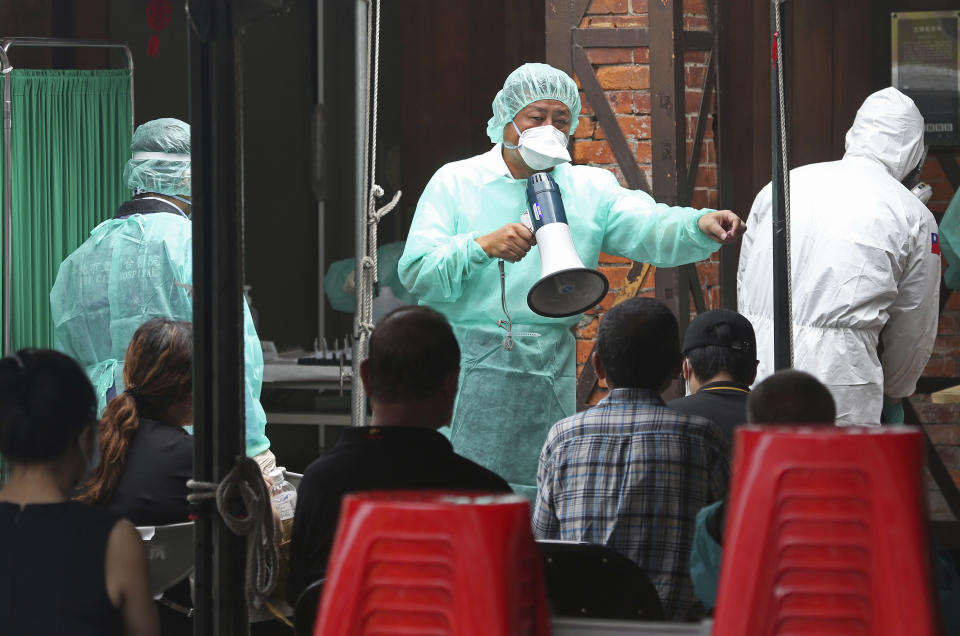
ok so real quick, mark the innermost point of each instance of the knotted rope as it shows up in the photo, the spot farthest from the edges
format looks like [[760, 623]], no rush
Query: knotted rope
[[245, 482]]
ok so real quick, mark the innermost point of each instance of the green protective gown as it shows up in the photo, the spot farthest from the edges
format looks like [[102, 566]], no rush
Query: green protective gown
[[129, 271], [508, 400]]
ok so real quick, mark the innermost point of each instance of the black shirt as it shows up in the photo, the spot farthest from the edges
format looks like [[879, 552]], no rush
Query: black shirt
[[52, 570], [724, 403], [371, 458], [152, 490]]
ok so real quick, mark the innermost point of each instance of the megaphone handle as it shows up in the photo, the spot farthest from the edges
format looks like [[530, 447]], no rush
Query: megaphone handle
[[508, 341], [525, 220]]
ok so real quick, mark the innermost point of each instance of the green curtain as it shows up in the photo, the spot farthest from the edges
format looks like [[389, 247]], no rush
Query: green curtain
[[70, 141]]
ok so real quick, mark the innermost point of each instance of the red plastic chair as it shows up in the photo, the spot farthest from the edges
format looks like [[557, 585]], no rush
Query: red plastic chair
[[826, 533], [434, 563]]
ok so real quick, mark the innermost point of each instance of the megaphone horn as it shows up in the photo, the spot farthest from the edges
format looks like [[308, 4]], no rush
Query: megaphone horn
[[566, 287]]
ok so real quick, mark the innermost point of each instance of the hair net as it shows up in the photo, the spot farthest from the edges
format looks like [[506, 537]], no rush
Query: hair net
[[149, 169], [530, 83]]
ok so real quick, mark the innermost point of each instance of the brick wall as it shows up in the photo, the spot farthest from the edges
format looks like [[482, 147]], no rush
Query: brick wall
[[624, 74]]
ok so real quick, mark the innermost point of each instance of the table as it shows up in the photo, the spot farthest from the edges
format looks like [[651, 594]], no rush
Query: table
[[285, 373]]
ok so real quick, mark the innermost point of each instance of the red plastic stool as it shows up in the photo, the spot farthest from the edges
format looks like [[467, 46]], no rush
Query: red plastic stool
[[826, 533], [432, 563]]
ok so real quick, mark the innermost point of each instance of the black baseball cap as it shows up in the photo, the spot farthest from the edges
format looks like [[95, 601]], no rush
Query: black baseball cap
[[737, 335]]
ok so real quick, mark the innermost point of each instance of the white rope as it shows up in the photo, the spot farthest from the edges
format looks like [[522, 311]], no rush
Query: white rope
[[367, 279], [257, 524], [786, 176]]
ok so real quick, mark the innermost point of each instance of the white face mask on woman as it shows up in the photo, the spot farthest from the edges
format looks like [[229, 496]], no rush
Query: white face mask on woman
[[541, 147]]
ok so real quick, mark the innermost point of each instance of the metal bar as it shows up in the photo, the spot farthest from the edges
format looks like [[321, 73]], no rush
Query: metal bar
[[218, 310], [360, 194], [686, 192], [782, 318], [693, 279], [5, 69], [728, 253], [698, 40], [615, 137], [668, 126], [941, 476], [608, 38]]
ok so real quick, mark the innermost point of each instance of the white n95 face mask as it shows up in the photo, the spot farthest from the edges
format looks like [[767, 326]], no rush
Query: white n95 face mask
[[541, 147]]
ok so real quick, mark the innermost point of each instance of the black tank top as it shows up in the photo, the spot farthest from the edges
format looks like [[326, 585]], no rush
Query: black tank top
[[52, 570]]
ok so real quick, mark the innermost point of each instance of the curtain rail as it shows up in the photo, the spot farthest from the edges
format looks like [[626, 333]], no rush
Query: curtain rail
[[5, 68]]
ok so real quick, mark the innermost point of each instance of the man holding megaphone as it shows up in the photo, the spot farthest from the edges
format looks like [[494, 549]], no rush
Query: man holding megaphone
[[513, 319]]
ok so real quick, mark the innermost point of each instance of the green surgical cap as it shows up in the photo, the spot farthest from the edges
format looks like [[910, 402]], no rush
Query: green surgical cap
[[530, 83], [160, 158]]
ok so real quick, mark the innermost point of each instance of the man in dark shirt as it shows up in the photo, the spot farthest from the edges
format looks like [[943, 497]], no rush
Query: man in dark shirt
[[411, 376], [719, 365]]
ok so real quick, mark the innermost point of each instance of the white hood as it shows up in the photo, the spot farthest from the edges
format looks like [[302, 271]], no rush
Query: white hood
[[889, 129]]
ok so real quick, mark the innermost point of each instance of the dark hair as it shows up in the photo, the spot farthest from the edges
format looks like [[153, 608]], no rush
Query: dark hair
[[639, 344], [791, 397], [412, 351], [157, 371], [46, 400], [710, 360]]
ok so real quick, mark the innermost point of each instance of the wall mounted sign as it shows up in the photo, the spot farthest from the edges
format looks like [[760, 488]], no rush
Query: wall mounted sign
[[925, 56]]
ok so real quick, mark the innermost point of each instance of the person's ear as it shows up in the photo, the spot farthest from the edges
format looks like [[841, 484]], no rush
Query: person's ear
[[598, 367], [365, 375], [686, 369]]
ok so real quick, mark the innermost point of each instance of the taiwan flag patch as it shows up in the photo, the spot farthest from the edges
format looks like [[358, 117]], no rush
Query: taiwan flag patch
[[934, 243]]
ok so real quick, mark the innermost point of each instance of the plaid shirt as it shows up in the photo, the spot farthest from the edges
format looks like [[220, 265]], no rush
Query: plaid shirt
[[631, 474]]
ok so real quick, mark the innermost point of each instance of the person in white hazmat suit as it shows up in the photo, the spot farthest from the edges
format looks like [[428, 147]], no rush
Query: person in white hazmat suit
[[865, 266], [468, 219]]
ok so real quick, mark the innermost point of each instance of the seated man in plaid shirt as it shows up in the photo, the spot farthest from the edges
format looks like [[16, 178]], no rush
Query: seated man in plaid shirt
[[631, 473]]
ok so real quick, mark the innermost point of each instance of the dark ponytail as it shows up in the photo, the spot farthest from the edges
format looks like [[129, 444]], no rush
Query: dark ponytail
[[158, 371]]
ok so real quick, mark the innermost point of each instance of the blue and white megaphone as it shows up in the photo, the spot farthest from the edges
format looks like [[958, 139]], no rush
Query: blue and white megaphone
[[566, 287]]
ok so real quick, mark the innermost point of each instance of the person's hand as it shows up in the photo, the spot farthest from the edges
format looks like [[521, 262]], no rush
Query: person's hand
[[511, 242], [723, 226]]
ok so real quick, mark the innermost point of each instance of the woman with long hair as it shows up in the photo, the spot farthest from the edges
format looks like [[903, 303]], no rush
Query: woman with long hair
[[67, 568], [146, 455]]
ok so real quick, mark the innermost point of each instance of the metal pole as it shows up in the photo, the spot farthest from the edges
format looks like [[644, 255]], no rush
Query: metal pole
[[782, 313], [6, 69], [218, 360], [358, 414]]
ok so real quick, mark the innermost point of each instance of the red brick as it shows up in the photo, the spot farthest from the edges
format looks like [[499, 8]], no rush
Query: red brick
[[947, 325], [585, 22], [944, 433], [621, 101], [692, 127], [712, 298], [641, 6], [644, 151], [641, 102], [709, 273], [692, 98], [590, 330], [584, 347], [585, 107], [694, 23], [620, 22], [694, 75], [609, 259], [607, 6], [585, 127], [616, 275], [635, 126], [693, 6], [946, 346], [940, 367], [592, 152], [641, 55], [618, 173], [621, 77], [707, 154], [695, 57], [610, 56], [706, 177], [604, 304]]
